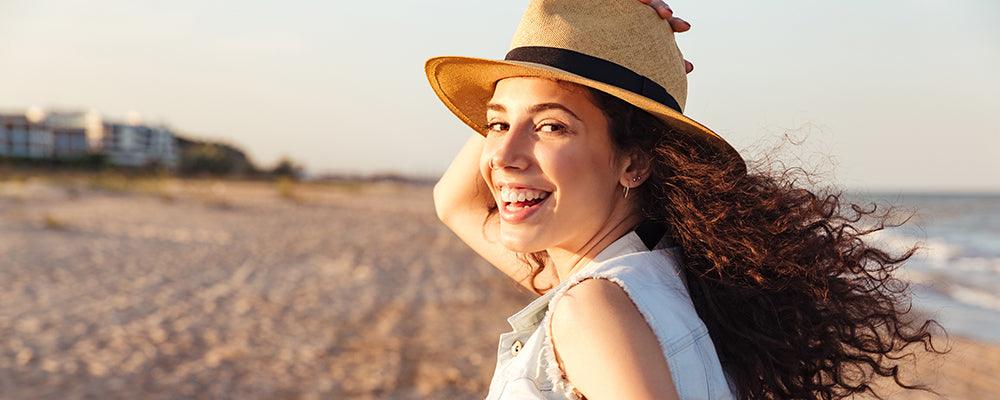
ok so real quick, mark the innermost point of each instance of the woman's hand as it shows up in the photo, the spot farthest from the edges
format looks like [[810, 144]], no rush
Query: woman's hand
[[677, 24]]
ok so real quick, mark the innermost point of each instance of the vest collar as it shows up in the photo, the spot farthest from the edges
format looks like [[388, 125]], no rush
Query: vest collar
[[530, 315]]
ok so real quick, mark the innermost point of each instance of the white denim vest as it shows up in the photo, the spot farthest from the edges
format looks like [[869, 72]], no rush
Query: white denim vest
[[526, 366]]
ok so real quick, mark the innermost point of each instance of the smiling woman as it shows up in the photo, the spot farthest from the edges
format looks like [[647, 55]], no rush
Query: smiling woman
[[537, 142], [667, 268]]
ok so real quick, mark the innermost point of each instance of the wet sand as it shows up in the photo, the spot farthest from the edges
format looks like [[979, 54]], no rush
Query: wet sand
[[206, 289]]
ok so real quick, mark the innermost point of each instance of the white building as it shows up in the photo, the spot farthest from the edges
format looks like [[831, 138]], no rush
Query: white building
[[70, 131], [21, 136], [62, 134], [138, 145]]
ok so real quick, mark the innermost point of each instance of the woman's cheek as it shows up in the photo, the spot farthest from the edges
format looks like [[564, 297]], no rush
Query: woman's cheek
[[484, 166]]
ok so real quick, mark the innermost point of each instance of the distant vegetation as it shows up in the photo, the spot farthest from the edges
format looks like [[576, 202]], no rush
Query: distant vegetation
[[204, 159], [197, 158], [286, 168], [372, 178], [91, 162]]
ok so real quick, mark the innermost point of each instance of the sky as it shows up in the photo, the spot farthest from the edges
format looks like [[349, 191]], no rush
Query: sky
[[887, 95]]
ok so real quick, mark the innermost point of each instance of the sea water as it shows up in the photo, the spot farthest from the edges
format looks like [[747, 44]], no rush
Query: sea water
[[955, 277]]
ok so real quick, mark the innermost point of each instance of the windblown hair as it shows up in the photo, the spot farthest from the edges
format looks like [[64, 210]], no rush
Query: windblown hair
[[797, 299]]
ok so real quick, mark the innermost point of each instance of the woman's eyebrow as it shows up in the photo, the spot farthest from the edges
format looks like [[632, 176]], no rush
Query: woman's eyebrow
[[547, 106], [535, 108]]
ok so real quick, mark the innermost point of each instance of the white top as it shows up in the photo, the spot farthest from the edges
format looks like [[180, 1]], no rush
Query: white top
[[526, 366]]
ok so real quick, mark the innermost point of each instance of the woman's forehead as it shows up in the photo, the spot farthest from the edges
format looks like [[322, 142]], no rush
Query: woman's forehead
[[525, 90]]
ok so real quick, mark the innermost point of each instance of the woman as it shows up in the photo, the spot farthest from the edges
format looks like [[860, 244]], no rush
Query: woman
[[666, 268]]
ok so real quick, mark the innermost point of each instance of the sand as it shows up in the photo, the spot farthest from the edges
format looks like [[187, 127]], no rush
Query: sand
[[162, 288]]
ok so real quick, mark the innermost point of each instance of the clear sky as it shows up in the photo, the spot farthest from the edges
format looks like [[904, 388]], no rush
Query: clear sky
[[887, 94]]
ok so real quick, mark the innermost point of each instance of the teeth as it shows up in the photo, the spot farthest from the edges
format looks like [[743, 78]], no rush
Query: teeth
[[512, 207], [511, 195]]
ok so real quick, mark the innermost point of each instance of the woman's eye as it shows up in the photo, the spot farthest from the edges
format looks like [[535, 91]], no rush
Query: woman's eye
[[502, 126], [554, 127], [496, 126]]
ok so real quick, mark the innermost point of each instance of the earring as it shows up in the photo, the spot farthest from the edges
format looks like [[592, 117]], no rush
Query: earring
[[634, 178]]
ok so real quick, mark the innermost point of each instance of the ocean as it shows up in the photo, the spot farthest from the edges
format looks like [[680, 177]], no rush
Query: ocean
[[955, 277]]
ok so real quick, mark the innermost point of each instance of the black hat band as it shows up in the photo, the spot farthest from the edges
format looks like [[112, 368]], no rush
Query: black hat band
[[594, 68]]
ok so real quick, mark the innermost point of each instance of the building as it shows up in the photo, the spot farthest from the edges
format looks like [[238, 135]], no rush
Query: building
[[138, 145], [25, 137], [74, 134], [69, 131]]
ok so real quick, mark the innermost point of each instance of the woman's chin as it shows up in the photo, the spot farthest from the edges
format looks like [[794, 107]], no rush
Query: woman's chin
[[519, 241]]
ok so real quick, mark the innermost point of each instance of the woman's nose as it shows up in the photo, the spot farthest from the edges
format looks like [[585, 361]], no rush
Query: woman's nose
[[511, 151]]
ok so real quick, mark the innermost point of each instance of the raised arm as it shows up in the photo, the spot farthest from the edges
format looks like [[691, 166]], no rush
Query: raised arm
[[462, 201]]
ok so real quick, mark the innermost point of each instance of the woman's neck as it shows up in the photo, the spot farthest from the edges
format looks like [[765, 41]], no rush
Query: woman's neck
[[568, 260]]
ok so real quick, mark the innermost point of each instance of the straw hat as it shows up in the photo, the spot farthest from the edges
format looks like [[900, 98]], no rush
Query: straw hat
[[619, 47]]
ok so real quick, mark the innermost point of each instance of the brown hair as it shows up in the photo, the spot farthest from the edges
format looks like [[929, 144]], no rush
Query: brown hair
[[798, 302]]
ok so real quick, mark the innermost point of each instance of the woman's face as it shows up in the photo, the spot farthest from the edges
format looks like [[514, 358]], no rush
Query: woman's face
[[546, 137]]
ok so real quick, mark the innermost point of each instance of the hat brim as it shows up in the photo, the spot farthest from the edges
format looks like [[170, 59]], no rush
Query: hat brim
[[465, 86]]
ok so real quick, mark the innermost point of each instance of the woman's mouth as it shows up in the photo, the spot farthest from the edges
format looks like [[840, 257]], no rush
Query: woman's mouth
[[517, 208]]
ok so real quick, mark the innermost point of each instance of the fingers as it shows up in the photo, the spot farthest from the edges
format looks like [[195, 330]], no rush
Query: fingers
[[664, 12], [676, 24], [662, 9], [679, 25]]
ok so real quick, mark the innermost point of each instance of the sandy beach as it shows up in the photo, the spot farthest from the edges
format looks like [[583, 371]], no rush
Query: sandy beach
[[165, 288]]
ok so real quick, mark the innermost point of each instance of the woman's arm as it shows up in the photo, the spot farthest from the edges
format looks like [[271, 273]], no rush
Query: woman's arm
[[606, 348], [462, 201]]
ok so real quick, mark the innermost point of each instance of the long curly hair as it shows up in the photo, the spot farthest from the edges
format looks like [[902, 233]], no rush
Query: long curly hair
[[798, 301]]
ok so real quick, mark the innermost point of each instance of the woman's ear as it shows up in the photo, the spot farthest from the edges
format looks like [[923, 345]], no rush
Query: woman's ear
[[635, 169]]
